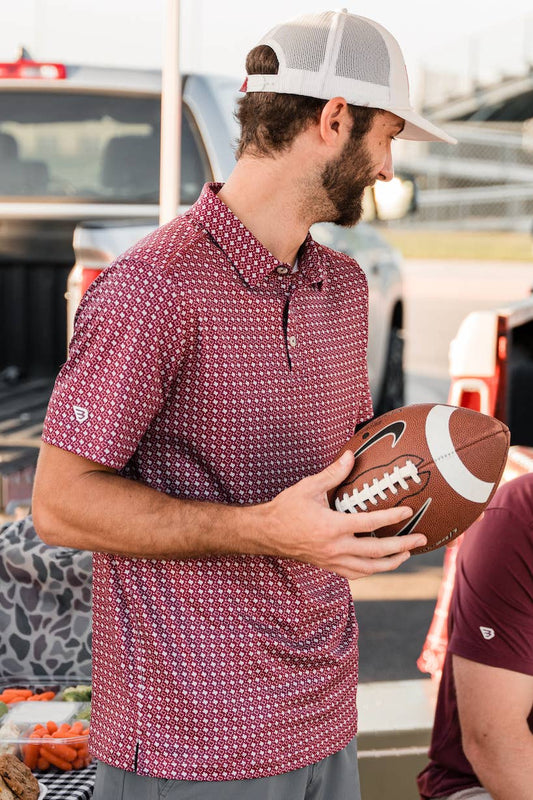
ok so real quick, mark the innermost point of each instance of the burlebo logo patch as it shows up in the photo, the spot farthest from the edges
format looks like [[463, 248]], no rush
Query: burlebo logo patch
[[80, 413], [487, 633]]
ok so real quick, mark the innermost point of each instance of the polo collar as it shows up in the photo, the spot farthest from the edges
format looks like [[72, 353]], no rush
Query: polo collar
[[251, 259]]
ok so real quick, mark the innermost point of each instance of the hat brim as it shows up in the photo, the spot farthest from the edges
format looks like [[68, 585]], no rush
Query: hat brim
[[419, 129], [416, 127]]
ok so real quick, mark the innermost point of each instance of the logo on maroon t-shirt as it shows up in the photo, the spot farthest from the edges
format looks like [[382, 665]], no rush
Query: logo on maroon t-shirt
[[487, 633], [80, 413]]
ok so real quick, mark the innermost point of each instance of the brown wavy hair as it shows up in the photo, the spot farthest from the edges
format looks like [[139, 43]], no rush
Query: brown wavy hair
[[270, 121]]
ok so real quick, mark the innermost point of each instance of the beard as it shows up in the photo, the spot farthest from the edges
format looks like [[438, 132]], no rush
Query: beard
[[345, 180]]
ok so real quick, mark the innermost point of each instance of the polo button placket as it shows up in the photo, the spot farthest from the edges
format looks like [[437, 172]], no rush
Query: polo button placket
[[291, 339]]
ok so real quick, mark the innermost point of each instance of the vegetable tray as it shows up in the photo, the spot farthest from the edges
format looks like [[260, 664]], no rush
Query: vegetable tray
[[45, 722]]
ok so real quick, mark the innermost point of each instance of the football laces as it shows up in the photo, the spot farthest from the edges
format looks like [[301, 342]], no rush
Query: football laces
[[360, 497]]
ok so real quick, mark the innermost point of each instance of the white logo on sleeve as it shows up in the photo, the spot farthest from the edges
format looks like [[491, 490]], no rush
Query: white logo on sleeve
[[80, 413], [487, 633]]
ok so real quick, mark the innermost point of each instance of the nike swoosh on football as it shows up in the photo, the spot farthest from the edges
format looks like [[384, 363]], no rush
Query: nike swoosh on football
[[395, 429], [415, 519]]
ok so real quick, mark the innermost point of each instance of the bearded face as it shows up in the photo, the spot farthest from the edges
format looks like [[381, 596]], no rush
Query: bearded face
[[345, 179]]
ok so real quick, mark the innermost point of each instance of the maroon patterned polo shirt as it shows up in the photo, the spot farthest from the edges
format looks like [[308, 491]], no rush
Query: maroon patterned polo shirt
[[203, 368]]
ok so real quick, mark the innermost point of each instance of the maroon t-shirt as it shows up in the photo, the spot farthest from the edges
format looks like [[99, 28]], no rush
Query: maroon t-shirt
[[490, 622]]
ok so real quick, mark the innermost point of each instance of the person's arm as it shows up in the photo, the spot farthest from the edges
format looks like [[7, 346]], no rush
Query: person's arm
[[78, 503], [494, 705]]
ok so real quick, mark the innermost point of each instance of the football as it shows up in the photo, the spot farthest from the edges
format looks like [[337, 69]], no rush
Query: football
[[442, 461]]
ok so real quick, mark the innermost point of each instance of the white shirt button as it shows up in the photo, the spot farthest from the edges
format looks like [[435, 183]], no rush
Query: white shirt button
[[281, 270], [292, 341]]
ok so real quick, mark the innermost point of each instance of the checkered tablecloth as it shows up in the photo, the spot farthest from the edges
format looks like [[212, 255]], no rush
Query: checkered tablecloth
[[75, 785]]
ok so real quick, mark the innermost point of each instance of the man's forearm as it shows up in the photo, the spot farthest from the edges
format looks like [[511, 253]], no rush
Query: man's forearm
[[78, 503], [102, 511]]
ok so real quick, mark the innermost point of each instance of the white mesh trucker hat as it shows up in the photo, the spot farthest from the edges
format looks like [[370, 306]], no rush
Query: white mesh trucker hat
[[340, 54]]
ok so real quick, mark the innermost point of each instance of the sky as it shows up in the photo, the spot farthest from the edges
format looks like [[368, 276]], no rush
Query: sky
[[486, 37]]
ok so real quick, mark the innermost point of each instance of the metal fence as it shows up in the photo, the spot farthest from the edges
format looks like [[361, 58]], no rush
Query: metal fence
[[485, 181]]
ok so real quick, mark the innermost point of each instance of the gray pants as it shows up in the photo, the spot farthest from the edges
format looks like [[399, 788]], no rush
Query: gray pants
[[333, 778], [475, 793]]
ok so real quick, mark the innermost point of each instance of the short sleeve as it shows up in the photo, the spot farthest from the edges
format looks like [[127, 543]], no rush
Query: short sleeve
[[492, 610], [129, 339]]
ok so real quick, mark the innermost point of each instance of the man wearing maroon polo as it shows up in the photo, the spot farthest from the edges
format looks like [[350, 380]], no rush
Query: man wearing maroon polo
[[215, 370]]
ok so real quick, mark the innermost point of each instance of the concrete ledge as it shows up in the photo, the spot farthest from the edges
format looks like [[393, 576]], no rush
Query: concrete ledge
[[395, 724]]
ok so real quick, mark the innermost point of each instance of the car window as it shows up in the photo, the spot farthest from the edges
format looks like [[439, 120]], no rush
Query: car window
[[227, 91], [355, 242], [345, 240], [92, 147]]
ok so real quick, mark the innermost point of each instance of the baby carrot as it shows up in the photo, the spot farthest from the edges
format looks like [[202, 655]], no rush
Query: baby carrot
[[13, 696], [31, 755], [64, 751], [39, 730], [77, 728], [42, 763], [42, 696], [51, 726], [62, 732], [15, 692], [54, 759]]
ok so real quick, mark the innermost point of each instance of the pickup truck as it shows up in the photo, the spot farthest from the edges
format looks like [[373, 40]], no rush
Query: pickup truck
[[79, 184], [491, 370]]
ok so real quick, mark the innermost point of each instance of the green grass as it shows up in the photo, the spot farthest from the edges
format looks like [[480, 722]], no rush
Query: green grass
[[499, 245]]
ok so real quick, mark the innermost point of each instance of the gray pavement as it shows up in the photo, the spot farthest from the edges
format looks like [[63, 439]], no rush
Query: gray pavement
[[394, 613], [439, 295]]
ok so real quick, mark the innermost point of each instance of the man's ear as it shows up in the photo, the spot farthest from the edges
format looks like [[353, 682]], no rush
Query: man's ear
[[335, 122]]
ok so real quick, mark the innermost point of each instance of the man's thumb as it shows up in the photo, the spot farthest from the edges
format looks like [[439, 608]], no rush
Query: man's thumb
[[335, 473]]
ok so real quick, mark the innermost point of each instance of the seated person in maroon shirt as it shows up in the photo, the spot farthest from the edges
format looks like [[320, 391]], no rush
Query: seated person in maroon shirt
[[482, 745]]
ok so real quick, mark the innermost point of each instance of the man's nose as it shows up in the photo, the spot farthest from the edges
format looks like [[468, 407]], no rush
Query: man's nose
[[386, 172]]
